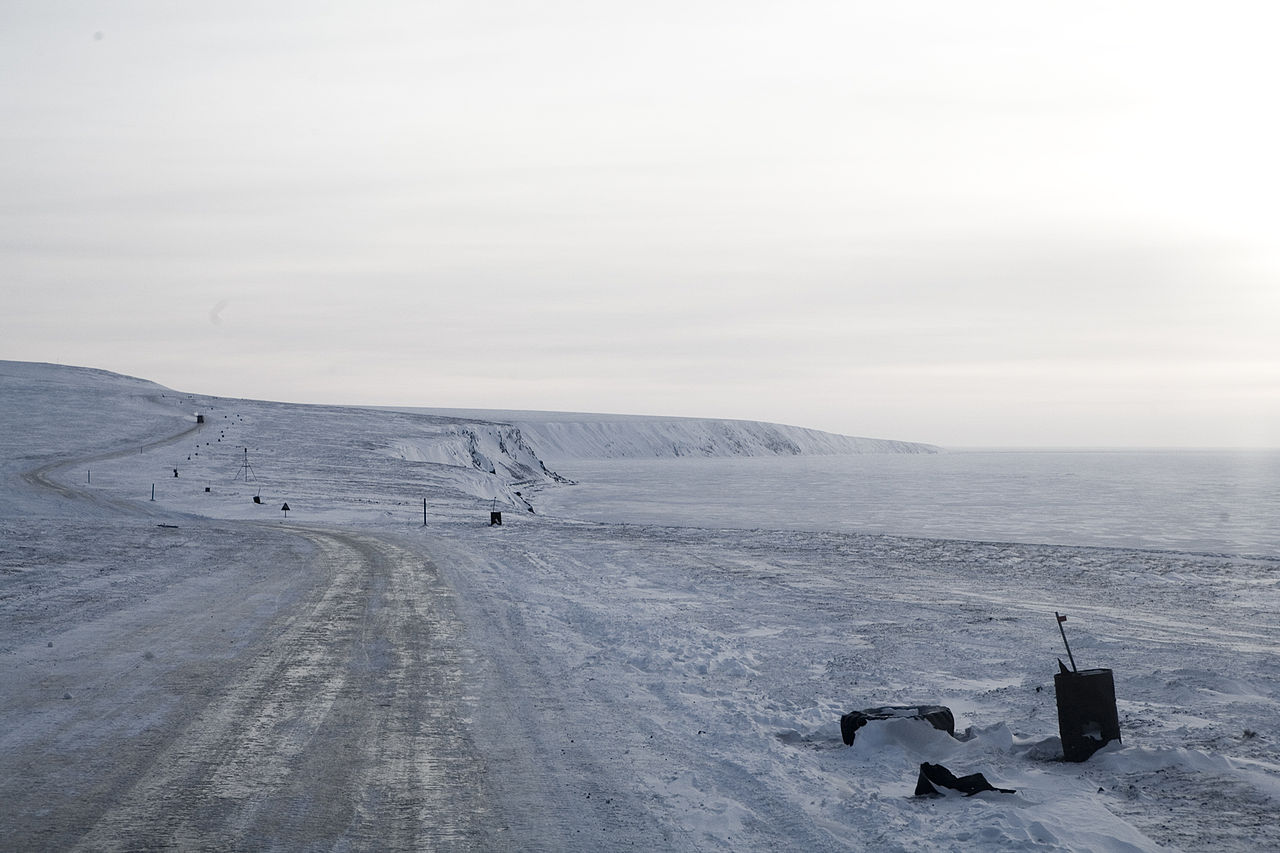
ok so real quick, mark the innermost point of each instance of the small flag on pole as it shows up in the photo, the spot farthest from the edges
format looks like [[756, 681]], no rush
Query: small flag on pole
[[1061, 618]]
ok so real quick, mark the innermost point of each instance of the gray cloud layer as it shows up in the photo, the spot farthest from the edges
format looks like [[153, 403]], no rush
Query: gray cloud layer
[[996, 224]]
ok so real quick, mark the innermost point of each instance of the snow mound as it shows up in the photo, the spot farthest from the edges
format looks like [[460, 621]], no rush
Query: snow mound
[[1055, 809]]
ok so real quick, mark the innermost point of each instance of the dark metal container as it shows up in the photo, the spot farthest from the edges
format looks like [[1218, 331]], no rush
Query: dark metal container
[[1087, 716]]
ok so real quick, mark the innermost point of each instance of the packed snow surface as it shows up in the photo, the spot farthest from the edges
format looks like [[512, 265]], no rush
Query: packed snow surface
[[203, 671]]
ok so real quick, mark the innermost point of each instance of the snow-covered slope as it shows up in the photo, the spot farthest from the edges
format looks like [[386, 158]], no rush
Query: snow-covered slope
[[51, 411], [48, 407], [563, 435], [493, 448]]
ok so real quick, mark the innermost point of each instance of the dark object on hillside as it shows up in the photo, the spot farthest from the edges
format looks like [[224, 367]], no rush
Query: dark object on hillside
[[937, 716], [935, 776], [495, 518], [1087, 716], [199, 419], [257, 499]]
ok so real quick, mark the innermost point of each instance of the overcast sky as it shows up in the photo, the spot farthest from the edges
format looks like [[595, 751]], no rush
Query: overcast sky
[[977, 223]]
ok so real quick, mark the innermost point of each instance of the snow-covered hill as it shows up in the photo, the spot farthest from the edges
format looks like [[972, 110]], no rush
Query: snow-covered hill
[[563, 435], [52, 410], [50, 407], [484, 454]]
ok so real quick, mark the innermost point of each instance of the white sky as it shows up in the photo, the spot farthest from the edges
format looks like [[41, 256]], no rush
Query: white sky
[[978, 223]]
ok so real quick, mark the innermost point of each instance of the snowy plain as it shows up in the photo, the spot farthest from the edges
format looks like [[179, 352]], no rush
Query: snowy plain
[[1213, 501], [203, 671]]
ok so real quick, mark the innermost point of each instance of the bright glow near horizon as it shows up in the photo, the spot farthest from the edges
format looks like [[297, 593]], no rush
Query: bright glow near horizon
[[993, 223]]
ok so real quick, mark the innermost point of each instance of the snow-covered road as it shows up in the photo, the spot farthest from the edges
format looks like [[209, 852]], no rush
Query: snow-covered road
[[245, 687], [340, 726]]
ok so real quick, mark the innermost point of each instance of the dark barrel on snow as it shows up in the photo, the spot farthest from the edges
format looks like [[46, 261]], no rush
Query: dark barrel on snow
[[1087, 717]]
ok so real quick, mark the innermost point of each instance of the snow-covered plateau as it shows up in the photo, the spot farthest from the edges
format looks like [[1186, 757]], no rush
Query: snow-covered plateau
[[186, 665], [564, 436]]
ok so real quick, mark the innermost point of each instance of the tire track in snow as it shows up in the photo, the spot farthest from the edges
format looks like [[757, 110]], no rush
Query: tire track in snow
[[346, 732]]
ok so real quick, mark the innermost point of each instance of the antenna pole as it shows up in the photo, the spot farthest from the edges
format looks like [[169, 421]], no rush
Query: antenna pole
[[1070, 657], [246, 469]]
